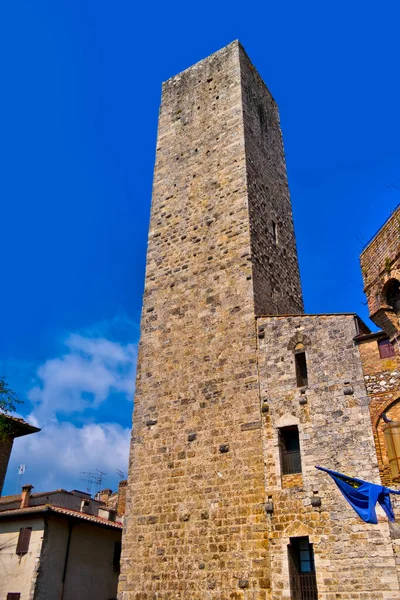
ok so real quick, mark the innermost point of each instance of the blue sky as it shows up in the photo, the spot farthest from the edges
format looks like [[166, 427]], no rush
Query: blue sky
[[81, 87]]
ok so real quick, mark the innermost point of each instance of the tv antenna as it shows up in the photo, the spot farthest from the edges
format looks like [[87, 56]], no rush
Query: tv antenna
[[121, 474], [93, 479]]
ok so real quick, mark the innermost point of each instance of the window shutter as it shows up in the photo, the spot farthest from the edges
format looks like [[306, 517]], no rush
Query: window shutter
[[24, 540], [386, 349]]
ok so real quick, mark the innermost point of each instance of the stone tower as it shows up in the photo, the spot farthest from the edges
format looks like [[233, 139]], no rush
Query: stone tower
[[221, 250], [239, 393], [380, 265]]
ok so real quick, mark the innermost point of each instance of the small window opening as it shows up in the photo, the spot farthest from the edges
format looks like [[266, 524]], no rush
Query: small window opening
[[274, 232], [117, 557], [393, 295], [263, 120], [13, 596], [303, 581], [24, 539], [290, 450], [301, 368], [386, 349]]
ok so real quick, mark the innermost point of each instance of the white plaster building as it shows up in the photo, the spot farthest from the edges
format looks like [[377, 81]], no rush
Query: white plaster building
[[58, 545]]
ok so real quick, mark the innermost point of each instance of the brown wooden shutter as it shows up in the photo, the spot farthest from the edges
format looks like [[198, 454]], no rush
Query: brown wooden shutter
[[24, 540], [386, 349]]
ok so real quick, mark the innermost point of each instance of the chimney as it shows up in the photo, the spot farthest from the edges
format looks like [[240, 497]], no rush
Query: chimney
[[121, 497], [104, 495], [26, 494]]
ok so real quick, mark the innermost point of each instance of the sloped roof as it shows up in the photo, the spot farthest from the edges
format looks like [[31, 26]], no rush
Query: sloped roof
[[19, 426], [45, 508]]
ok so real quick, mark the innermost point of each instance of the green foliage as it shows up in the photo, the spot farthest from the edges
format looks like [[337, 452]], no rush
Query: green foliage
[[8, 403], [387, 265]]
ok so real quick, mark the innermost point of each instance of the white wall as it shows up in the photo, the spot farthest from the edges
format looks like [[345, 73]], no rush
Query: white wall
[[90, 574], [18, 573]]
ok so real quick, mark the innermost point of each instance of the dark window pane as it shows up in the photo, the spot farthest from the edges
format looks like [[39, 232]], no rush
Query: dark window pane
[[13, 596], [305, 566]]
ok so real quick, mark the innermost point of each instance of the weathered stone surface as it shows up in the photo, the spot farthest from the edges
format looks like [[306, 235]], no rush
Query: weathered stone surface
[[197, 370], [380, 265], [335, 432], [209, 515]]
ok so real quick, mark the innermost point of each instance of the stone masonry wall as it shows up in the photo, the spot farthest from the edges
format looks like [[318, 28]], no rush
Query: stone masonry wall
[[382, 380], [195, 520], [380, 261], [277, 287], [354, 560]]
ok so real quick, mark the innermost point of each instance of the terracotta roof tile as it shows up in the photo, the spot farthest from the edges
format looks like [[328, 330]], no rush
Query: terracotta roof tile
[[63, 511]]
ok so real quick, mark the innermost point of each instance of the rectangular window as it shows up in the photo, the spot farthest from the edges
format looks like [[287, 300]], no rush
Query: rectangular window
[[303, 582], [386, 349], [24, 540], [13, 596], [301, 369], [117, 556], [290, 450]]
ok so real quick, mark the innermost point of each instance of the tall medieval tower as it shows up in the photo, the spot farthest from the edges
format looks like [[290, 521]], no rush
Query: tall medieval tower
[[221, 250], [222, 280]]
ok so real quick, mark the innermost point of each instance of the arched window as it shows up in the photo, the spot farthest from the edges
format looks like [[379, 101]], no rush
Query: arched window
[[393, 294], [391, 432]]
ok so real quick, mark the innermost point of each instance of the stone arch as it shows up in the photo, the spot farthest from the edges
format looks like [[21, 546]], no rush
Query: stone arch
[[387, 405], [380, 445], [299, 338], [391, 294]]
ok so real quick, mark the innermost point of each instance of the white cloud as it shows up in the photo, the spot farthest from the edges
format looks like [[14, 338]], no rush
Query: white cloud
[[83, 377], [56, 457], [91, 370]]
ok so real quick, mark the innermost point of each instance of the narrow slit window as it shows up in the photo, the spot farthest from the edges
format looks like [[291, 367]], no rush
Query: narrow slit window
[[290, 450], [24, 539], [386, 349], [301, 369], [275, 232]]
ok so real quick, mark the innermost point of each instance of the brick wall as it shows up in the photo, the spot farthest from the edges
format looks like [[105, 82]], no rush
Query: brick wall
[[382, 380], [380, 262]]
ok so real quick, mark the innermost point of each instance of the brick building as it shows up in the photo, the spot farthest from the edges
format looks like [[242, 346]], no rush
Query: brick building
[[240, 393]]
